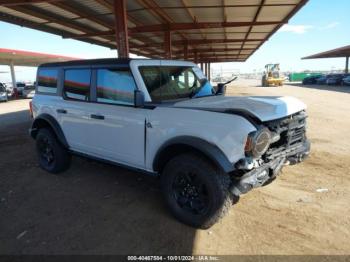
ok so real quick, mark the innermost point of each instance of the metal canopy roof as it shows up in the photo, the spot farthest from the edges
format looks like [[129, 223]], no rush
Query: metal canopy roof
[[338, 52], [212, 30], [25, 58]]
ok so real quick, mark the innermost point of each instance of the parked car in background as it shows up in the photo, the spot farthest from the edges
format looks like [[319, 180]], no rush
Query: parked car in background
[[311, 80], [3, 93], [335, 79], [322, 80], [346, 80], [20, 87], [28, 91], [8, 88]]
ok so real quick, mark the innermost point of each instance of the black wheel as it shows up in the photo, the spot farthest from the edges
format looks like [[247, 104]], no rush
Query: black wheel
[[196, 192], [53, 157]]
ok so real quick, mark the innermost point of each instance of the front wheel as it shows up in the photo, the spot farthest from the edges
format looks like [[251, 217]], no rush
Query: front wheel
[[196, 192], [53, 157]]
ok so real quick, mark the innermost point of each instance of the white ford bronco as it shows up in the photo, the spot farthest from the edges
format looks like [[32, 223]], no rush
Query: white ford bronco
[[164, 118]]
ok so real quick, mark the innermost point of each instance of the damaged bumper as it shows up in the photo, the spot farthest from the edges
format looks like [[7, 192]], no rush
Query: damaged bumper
[[260, 175]]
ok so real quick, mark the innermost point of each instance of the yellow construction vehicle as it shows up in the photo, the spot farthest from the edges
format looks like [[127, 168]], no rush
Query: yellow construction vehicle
[[272, 76]]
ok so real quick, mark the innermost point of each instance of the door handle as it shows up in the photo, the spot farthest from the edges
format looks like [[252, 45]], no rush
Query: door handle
[[99, 117], [61, 111]]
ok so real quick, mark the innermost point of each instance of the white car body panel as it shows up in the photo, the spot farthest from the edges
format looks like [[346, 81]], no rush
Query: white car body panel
[[120, 136], [227, 132], [265, 108]]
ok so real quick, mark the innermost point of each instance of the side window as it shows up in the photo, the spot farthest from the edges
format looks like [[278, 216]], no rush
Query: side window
[[47, 80], [77, 84], [115, 86]]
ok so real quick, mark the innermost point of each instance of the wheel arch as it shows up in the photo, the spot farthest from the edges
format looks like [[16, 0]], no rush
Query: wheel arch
[[183, 144], [48, 121]]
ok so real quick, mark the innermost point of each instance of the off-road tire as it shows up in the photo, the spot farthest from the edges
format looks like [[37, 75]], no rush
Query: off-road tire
[[61, 158], [215, 181]]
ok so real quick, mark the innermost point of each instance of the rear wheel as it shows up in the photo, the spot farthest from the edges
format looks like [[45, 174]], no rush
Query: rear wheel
[[196, 192], [53, 157], [264, 81]]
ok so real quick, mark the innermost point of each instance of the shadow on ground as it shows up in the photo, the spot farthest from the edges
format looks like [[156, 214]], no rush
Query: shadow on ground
[[92, 208], [7, 119]]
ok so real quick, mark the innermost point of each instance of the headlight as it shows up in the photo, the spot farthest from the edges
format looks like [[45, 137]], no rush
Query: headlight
[[257, 143]]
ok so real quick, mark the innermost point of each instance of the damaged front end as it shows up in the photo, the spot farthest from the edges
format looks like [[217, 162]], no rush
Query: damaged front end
[[275, 144]]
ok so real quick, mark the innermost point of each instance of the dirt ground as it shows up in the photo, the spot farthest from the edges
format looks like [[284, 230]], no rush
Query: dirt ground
[[96, 208]]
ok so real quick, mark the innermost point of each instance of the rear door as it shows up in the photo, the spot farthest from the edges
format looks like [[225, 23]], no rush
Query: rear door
[[73, 111]]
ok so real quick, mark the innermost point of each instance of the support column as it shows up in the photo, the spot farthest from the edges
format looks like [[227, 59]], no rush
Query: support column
[[209, 71], [202, 67], [13, 75], [167, 44], [186, 51], [121, 28], [347, 65], [195, 57]]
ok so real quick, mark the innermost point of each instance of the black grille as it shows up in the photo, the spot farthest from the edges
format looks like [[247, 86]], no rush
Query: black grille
[[292, 131]]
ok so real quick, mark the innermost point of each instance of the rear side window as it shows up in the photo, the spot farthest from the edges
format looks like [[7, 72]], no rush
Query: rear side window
[[115, 86], [47, 80], [77, 84]]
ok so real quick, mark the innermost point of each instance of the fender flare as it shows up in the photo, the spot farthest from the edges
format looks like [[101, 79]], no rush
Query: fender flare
[[45, 120], [208, 149]]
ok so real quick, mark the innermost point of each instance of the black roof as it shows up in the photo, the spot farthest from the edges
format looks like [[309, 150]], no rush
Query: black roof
[[101, 61]]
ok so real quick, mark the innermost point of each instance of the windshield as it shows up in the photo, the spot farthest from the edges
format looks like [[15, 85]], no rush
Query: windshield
[[175, 82]]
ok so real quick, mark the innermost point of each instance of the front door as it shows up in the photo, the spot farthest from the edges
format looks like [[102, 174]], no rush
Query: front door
[[117, 129]]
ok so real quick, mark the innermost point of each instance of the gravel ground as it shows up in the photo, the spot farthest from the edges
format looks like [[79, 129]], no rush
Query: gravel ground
[[96, 208]]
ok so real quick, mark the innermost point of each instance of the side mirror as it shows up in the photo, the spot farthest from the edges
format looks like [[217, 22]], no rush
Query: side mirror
[[139, 98], [221, 89]]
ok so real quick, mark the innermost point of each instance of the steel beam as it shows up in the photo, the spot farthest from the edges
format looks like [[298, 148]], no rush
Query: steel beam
[[212, 50], [121, 28], [197, 42], [210, 6], [262, 3], [24, 2], [197, 25]]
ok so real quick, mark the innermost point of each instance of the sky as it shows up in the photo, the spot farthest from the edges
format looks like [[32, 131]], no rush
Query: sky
[[319, 26]]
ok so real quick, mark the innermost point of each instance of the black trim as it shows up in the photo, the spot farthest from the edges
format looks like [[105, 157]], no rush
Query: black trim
[[114, 163], [51, 121], [208, 149], [89, 62], [145, 141], [98, 117]]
